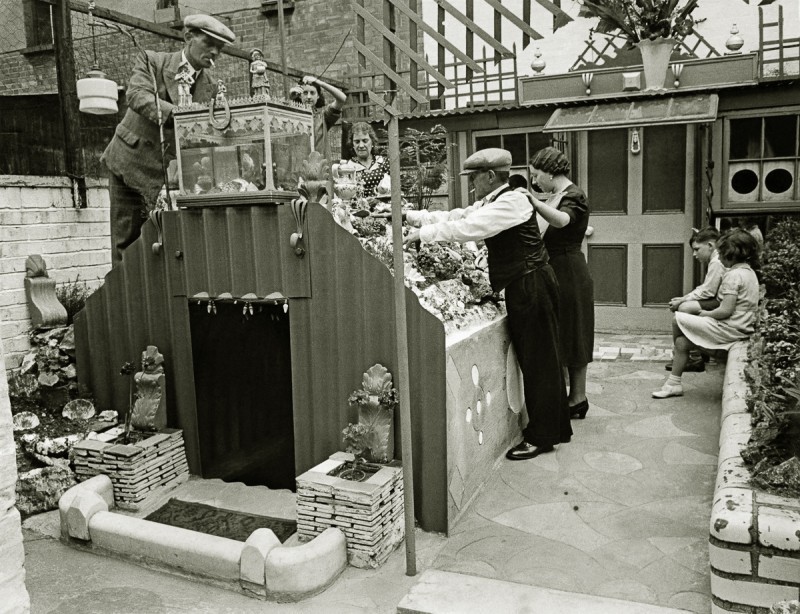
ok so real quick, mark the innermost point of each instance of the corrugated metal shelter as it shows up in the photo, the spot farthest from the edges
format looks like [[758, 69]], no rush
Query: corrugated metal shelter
[[340, 320]]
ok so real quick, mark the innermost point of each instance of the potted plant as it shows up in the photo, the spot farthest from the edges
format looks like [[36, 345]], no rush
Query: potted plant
[[650, 25]]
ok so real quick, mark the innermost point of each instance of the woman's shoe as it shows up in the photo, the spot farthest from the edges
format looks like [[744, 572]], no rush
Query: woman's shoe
[[578, 412], [668, 391]]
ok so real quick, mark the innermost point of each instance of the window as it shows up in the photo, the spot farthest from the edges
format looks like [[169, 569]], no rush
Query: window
[[763, 157], [38, 28], [662, 273], [608, 170], [608, 265], [664, 169]]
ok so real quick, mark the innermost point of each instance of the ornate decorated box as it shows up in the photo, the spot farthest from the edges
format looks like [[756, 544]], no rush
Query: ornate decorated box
[[240, 146]]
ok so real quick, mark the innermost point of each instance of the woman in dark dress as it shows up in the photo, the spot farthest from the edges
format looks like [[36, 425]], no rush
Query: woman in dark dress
[[568, 222]]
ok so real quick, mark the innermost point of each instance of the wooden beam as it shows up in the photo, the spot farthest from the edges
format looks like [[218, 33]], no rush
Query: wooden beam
[[471, 25], [382, 103], [400, 44], [376, 61], [526, 29], [68, 97], [436, 36], [556, 11]]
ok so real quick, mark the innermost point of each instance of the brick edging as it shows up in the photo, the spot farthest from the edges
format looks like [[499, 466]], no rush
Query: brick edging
[[754, 545]]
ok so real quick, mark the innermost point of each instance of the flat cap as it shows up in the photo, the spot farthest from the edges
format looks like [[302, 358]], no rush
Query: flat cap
[[492, 158], [211, 26]]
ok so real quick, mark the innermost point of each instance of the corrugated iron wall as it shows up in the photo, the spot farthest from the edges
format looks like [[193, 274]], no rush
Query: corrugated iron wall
[[341, 310]]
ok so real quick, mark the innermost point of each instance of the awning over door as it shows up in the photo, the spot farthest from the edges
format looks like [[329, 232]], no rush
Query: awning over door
[[635, 113]]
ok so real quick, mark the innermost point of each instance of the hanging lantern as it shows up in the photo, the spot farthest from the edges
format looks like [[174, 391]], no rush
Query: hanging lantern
[[97, 94]]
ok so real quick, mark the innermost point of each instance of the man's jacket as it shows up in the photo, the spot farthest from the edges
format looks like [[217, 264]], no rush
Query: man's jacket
[[134, 153]]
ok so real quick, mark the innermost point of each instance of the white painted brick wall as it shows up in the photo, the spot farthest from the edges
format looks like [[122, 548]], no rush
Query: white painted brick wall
[[37, 217]]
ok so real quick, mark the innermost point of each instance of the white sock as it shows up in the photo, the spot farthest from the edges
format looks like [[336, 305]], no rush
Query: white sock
[[673, 380]]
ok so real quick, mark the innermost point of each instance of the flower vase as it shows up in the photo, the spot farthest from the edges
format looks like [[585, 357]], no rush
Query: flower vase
[[655, 58]]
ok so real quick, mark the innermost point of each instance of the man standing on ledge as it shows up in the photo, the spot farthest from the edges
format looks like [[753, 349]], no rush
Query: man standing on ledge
[[518, 264], [133, 157]]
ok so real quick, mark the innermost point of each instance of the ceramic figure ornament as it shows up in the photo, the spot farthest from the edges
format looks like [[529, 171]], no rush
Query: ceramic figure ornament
[[149, 411], [185, 81], [376, 402], [259, 81]]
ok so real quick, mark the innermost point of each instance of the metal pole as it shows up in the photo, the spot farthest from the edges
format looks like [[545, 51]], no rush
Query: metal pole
[[402, 347], [282, 37]]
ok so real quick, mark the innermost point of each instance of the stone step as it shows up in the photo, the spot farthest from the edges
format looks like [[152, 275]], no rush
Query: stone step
[[444, 592]]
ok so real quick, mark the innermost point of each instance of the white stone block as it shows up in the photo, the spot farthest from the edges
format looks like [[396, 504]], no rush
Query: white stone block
[[254, 555], [732, 515], [730, 560], [750, 593], [293, 573], [85, 504], [780, 568], [779, 528]]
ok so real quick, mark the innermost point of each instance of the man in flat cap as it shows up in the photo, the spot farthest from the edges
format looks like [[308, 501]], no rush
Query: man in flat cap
[[133, 157], [518, 264]]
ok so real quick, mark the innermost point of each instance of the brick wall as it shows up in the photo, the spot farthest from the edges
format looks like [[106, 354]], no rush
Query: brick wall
[[37, 217]]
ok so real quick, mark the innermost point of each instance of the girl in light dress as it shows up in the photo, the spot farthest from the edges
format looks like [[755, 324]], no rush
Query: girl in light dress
[[732, 321]]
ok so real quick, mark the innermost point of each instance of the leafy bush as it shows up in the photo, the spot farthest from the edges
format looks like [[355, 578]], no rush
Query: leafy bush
[[423, 159], [773, 373], [73, 295]]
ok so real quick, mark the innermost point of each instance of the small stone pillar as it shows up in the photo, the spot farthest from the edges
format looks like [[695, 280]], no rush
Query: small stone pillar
[[40, 292], [150, 408]]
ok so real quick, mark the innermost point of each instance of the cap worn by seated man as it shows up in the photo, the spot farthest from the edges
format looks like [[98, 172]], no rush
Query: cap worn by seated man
[[211, 26], [490, 159]]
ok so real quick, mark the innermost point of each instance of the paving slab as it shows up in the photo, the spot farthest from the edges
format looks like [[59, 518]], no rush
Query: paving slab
[[442, 592]]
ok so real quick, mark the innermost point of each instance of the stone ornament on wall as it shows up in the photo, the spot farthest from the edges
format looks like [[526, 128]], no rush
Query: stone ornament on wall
[[150, 409], [40, 292]]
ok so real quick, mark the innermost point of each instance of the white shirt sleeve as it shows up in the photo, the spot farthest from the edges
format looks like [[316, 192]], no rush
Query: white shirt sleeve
[[708, 289], [477, 222]]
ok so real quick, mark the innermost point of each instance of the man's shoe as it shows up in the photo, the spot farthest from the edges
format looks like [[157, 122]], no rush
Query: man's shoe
[[692, 366], [525, 450], [668, 391]]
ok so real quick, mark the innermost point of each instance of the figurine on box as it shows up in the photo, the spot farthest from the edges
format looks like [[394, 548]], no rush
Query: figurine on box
[[259, 81], [185, 79]]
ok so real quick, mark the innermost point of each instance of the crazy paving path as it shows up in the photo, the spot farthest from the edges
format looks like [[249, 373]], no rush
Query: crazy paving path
[[622, 511]]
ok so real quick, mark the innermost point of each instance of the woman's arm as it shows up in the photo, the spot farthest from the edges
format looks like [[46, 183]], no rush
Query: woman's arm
[[725, 309], [339, 97], [554, 217]]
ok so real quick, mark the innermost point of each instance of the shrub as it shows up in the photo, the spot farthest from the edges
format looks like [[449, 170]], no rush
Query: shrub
[[773, 374], [73, 295]]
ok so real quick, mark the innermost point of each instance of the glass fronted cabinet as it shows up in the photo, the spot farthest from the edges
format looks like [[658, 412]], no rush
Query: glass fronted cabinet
[[244, 147]]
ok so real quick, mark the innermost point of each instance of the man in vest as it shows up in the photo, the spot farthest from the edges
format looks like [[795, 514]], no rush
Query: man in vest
[[134, 157], [518, 264]]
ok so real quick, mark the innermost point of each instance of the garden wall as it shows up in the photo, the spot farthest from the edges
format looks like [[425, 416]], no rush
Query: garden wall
[[37, 216], [754, 545]]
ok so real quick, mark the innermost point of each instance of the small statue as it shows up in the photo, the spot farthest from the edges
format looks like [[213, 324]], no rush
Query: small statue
[[221, 91], [149, 409], [185, 81], [259, 81]]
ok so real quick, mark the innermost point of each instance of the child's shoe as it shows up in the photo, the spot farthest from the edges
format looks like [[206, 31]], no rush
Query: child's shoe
[[668, 390]]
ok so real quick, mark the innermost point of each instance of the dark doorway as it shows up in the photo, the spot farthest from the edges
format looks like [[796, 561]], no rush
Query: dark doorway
[[243, 382]]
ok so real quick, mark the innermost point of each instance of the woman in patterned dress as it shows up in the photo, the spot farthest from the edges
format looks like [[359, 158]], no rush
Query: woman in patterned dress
[[363, 139]]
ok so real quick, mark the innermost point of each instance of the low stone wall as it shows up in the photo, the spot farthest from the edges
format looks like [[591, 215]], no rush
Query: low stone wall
[[370, 513], [754, 545], [37, 216], [135, 469]]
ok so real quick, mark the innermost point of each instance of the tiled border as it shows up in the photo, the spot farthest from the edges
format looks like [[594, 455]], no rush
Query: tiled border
[[754, 544]]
